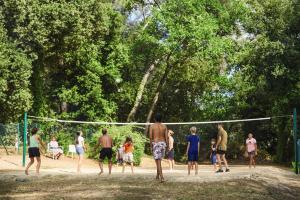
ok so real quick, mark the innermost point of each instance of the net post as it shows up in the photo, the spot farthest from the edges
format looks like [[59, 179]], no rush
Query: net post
[[24, 139], [295, 139]]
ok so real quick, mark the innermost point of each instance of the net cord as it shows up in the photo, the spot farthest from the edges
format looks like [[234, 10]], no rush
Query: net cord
[[35, 118]]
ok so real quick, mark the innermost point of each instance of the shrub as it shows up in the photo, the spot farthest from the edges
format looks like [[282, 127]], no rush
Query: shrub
[[64, 139], [118, 135]]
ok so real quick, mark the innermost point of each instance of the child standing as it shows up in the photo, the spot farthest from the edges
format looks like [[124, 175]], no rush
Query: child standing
[[193, 150], [128, 154], [213, 153], [119, 156], [251, 147]]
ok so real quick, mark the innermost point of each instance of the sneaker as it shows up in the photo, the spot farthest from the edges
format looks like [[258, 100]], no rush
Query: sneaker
[[227, 170], [219, 171]]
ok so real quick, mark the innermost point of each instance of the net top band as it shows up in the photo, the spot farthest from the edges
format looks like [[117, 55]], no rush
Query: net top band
[[145, 124]]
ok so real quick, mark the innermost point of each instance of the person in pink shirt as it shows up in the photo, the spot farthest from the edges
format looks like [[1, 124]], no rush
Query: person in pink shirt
[[251, 148]]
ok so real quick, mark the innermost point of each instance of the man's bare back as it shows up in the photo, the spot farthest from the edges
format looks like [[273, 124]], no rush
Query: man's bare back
[[105, 141], [158, 132]]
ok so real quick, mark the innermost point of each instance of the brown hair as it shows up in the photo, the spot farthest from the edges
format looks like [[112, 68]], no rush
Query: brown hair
[[34, 131], [104, 131]]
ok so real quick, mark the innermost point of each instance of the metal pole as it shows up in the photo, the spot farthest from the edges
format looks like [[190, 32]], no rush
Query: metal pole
[[19, 136], [295, 140], [24, 139]]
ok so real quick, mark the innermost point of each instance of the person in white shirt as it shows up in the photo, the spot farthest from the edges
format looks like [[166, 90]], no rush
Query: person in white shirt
[[79, 145], [57, 151]]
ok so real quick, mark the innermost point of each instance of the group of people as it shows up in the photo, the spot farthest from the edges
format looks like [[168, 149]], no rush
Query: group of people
[[161, 142], [124, 154], [161, 139]]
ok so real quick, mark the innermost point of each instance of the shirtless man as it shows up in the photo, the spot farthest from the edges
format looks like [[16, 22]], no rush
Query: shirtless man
[[158, 144], [105, 141]]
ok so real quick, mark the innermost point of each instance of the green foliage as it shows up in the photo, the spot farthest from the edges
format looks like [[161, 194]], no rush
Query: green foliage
[[15, 71], [65, 138], [119, 135], [84, 60]]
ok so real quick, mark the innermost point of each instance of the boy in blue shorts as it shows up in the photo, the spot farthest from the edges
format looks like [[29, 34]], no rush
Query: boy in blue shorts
[[192, 150]]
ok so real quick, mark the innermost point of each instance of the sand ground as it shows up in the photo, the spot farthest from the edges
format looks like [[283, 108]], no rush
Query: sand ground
[[59, 180]]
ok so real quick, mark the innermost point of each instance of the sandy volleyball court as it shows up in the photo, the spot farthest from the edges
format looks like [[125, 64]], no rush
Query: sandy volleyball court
[[58, 180]]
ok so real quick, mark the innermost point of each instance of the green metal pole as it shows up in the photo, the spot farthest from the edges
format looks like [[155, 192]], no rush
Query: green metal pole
[[19, 136], [295, 140], [24, 139]]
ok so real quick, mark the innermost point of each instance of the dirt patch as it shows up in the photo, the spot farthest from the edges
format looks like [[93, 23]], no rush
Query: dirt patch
[[58, 181]]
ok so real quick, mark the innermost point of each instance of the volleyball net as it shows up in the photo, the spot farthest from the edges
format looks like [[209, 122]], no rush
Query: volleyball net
[[267, 130], [273, 134]]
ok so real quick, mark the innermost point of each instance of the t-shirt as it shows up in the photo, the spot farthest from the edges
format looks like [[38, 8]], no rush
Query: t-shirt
[[223, 144], [80, 141], [193, 140], [250, 144], [213, 149], [128, 148], [54, 144]]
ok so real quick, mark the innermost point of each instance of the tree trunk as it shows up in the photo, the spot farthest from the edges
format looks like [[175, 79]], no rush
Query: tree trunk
[[159, 87], [140, 92], [161, 84]]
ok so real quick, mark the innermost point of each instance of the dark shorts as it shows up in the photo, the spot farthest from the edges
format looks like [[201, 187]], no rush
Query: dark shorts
[[221, 152], [193, 156], [213, 159], [34, 152], [105, 153], [252, 153], [171, 154]]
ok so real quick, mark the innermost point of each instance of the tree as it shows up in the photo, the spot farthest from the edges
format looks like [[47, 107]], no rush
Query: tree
[[15, 71]]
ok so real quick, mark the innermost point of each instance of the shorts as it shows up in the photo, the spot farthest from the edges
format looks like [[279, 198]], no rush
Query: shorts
[[221, 152], [79, 150], [213, 159], [171, 154], [252, 153], [128, 157], [105, 153], [34, 152], [193, 156], [159, 150]]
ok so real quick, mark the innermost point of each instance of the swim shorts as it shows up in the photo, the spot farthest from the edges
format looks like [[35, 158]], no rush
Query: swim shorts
[[159, 149]]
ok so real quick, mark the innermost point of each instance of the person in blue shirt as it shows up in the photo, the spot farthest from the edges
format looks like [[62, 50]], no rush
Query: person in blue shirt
[[192, 150]]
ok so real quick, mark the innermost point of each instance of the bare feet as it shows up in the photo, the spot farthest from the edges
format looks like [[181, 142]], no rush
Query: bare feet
[[100, 173], [162, 180], [157, 177], [26, 172]]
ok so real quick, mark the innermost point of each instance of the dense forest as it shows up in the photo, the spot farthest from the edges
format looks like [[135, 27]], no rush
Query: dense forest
[[124, 60]]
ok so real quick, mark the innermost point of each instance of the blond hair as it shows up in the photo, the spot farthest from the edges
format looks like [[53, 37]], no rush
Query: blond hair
[[193, 129]]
